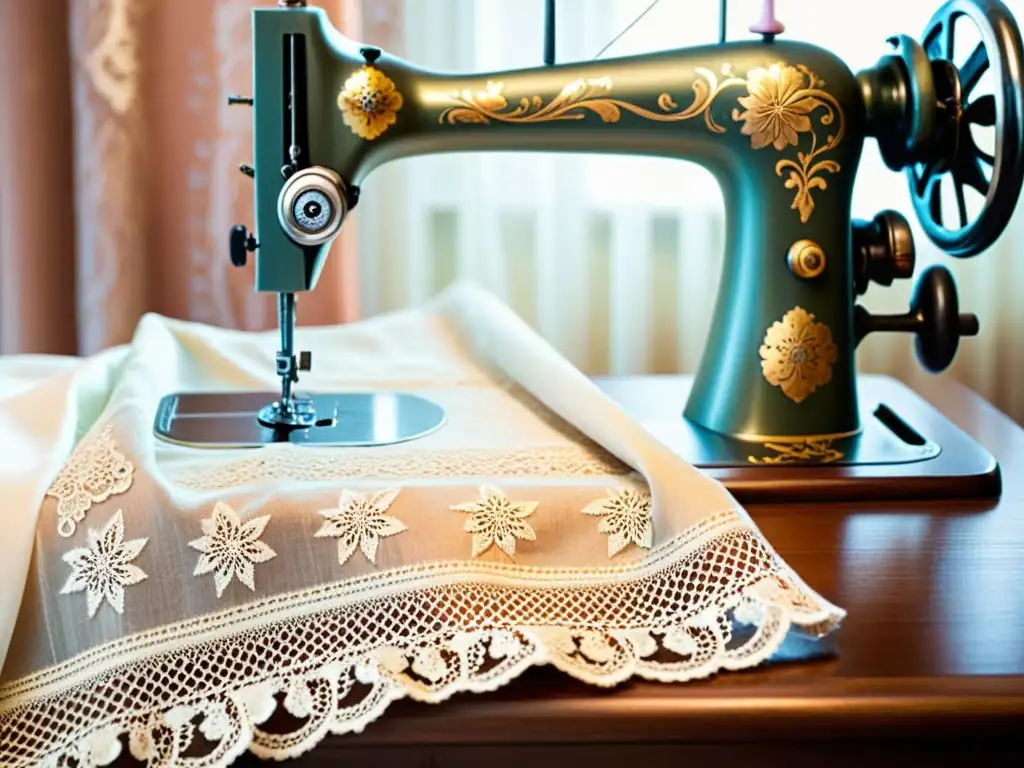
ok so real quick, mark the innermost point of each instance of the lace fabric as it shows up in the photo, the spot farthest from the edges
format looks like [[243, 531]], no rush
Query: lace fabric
[[289, 465], [96, 472], [205, 593], [424, 632]]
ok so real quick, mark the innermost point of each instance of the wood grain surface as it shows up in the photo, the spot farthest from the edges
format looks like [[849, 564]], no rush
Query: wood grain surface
[[928, 667]]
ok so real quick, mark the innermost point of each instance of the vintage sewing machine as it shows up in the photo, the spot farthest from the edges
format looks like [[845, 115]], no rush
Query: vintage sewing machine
[[780, 124]]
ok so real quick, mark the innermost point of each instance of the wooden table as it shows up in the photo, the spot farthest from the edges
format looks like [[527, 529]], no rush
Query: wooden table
[[928, 667]]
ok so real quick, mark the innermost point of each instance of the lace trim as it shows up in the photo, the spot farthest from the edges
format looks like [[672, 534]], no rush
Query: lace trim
[[496, 519], [317, 466], [231, 549], [340, 659], [375, 586], [95, 472], [626, 517], [360, 519], [104, 568]]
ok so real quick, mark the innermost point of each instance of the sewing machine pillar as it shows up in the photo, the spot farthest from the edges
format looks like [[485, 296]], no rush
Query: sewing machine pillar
[[761, 295]]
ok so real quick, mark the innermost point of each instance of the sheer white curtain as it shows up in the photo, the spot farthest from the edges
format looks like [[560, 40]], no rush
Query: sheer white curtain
[[615, 260]]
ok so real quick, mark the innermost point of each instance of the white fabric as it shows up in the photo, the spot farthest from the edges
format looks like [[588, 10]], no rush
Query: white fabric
[[46, 403], [609, 551]]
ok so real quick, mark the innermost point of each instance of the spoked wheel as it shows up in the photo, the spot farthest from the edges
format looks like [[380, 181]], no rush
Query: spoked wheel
[[997, 177]]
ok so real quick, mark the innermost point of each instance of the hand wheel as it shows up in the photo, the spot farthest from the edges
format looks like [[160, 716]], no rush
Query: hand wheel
[[955, 151]]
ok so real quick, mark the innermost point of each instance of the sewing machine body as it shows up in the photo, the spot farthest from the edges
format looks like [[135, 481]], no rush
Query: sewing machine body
[[763, 223], [781, 125]]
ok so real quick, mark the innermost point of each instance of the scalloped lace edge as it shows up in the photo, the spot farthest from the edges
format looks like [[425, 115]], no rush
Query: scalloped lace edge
[[433, 669]]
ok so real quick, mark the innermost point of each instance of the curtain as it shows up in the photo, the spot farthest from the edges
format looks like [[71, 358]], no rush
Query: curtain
[[121, 180], [616, 260]]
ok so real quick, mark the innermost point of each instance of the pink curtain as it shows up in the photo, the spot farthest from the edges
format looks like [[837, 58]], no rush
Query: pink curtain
[[120, 164]]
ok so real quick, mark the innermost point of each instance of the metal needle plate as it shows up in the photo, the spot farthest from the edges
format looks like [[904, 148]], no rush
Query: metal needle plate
[[228, 419]]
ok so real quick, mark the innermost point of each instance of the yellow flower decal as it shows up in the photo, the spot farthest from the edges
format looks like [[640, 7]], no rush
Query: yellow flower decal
[[777, 108], [777, 111], [798, 354], [369, 103]]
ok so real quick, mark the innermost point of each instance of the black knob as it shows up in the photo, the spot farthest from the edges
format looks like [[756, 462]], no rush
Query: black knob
[[234, 101], [370, 53], [934, 316], [248, 170], [883, 250], [240, 243]]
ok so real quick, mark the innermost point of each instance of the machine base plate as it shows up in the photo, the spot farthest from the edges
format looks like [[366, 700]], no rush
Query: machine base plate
[[228, 419], [907, 449]]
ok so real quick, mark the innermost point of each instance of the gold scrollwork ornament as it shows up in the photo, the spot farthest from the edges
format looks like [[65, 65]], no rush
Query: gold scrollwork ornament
[[797, 354], [369, 102], [581, 96], [777, 110], [811, 452]]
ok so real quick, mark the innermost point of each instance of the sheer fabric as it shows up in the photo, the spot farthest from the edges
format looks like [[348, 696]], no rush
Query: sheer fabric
[[175, 594]]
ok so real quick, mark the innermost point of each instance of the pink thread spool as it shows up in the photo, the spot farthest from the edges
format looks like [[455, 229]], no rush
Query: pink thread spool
[[768, 25]]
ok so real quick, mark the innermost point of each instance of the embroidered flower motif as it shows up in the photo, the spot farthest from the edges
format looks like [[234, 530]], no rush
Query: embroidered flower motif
[[104, 569], [680, 641], [369, 103], [643, 643], [798, 354], [597, 646], [504, 645], [95, 472], [102, 747], [777, 108], [496, 520], [429, 663], [359, 520], [298, 701], [258, 700], [230, 547], [627, 518]]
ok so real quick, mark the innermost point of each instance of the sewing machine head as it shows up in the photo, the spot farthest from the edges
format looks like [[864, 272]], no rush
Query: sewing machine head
[[780, 124]]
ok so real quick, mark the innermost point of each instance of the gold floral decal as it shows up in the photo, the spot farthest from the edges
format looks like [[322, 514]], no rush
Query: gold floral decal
[[230, 547], [626, 516], [798, 354], [497, 520], [777, 109], [359, 521], [369, 102], [810, 452], [103, 569], [95, 472]]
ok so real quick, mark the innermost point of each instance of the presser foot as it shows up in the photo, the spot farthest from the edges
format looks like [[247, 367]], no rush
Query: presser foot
[[253, 419], [289, 413]]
